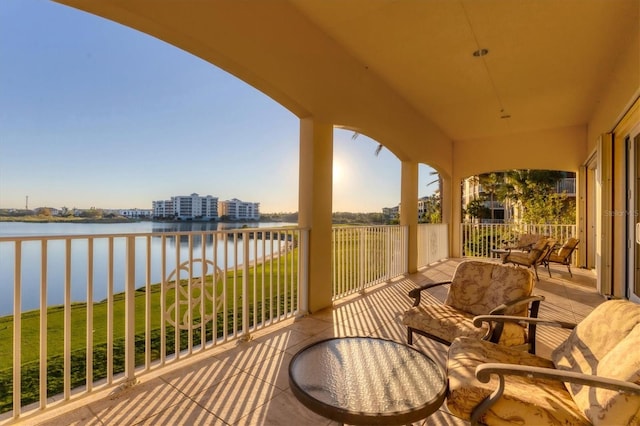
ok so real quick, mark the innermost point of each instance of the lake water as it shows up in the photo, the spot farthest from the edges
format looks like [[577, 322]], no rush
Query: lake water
[[31, 256]]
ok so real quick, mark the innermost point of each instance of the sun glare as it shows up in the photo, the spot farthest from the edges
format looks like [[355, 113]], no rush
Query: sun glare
[[337, 172]]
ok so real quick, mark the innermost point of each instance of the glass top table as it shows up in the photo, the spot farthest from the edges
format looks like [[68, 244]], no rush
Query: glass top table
[[365, 380]]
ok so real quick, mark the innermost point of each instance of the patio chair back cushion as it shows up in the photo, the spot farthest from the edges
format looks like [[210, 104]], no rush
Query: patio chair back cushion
[[605, 343], [478, 287], [565, 251]]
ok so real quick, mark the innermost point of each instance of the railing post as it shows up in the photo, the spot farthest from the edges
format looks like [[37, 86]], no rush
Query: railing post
[[245, 284], [17, 330], [130, 310], [361, 262], [303, 261]]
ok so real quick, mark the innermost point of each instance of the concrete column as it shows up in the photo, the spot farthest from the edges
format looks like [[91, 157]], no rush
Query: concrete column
[[448, 206], [315, 205], [409, 210], [455, 203]]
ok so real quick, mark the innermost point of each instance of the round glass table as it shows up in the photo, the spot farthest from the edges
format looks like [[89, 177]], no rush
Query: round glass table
[[366, 380]]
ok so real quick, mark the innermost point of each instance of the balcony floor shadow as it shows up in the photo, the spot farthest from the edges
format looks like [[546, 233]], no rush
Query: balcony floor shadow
[[246, 383]]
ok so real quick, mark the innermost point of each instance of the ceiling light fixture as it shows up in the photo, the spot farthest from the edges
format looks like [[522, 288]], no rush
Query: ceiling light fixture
[[480, 52]]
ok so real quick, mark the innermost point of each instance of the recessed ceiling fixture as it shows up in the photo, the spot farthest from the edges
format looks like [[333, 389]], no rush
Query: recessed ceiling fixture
[[480, 52]]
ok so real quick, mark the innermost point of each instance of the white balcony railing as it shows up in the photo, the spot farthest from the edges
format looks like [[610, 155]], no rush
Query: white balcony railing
[[101, 310], [89, 312], [478, 240], [364, 256]]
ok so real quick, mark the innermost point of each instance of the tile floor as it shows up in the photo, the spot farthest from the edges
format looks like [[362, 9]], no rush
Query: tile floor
[[246, 383]]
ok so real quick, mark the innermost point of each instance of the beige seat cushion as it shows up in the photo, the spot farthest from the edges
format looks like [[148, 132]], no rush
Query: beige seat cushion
[[524, 402], [448, 323], [605, 343], [555, 258]]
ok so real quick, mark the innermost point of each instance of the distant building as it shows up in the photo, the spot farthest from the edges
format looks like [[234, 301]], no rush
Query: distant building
[[187, 207], [162, 208], [391, 212], [235, 209], [135, 213]]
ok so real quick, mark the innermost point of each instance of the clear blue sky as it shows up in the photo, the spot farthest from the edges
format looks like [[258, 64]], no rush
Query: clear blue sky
[[94, 114]]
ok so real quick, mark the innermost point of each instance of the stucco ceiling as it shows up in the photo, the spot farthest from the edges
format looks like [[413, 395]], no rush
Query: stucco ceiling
[[393, 66], [547, 63]]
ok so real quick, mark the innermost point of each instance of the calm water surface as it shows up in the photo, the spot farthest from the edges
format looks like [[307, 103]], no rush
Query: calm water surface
[[31, 256]]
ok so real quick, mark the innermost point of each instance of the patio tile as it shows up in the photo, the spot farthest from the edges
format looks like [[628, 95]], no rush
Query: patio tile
[[282, 339], [309, 325], [186, 413], [136, 403], [246, 354], [284, 409], [200, 375], [237, 396], [80, 417], [274, 370]]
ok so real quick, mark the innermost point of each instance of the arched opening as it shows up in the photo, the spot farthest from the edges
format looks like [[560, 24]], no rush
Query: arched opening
[[500, 207]]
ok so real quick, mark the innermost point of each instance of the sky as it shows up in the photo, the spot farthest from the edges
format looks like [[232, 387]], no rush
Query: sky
[[95, 114]]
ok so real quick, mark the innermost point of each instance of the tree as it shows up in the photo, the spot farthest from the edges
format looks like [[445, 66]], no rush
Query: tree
[[523, 184], [477, 209], [45, 211], [432, 209]]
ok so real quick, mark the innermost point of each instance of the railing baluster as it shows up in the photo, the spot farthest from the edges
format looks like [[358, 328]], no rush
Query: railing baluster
[[190, 296], [43, 323], [17, 329], [67, 320], [225, 307], [163, 299], [130, 311], [110, 324], [203, 293], [176, 301], [147, 306], [89, 320], [245, 285]]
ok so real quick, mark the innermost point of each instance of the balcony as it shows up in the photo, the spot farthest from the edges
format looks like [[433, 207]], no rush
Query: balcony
[[115, 308], [246, 382]]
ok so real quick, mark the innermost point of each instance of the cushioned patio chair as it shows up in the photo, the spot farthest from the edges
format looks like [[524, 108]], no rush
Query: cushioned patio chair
[[477, 288], [532, 258], [592, 378], [562, 255]]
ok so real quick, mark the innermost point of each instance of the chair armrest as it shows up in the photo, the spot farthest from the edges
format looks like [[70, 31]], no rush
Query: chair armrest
[[498, 310], [478, 320], [484, 372], [416, 292]]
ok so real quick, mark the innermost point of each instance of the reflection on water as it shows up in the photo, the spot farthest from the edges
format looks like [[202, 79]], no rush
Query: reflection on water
[[191, 226], [161, 251]]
